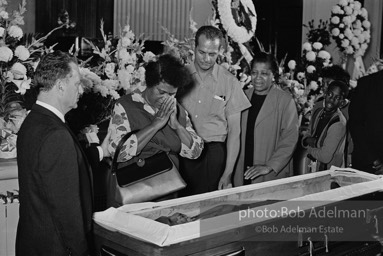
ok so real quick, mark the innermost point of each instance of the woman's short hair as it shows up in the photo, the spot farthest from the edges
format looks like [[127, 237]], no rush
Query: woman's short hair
[[167, 69], [52, 67], [268, 58], [336, 72]]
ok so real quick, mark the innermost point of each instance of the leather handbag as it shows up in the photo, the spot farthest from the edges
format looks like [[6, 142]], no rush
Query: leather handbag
[[145, 179]]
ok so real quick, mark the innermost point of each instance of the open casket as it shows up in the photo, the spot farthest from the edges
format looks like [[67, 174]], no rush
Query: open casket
[[317, 212]]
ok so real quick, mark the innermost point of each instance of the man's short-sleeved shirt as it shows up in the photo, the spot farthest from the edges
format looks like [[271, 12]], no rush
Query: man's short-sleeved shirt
[[212, 100]]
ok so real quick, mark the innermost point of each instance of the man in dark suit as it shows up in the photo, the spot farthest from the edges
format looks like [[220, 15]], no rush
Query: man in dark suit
[[55, 177], [366, 124]]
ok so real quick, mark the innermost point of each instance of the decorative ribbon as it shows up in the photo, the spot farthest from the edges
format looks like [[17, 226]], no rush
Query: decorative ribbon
[[245, 53], [8, 143], [359, 68]]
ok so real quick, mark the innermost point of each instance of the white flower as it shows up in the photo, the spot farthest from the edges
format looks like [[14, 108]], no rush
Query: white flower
[[301, 75], [364, 13], [302, 100], [110, 84], [125, 42], [6, 54], [341, 36], [345, 43], [313, 85], [114, 94], [347, 20], [335, 9], [4, 15], [15, 31], [22, 52], [307, 46], [123, 55], [292, 64], [357, 5], [148, 56], [348, 33], [311, 56], [348, 10], [335, 32], [141, 73], [317, 45], [132, 58], [355, 42], [90, 75], [366, 24], [324, 54], [101, 89], [357, 24], [341, 25], [124, 77], [19, 71], [343, 2], [335, 20], [310, 69], [23, 85], [298, 92], [129, 69], [349, 50], [357, 32]]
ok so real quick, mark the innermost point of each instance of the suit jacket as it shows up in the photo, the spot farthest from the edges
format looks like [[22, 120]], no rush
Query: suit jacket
[[275, 136], [366, 121], [55, 184]]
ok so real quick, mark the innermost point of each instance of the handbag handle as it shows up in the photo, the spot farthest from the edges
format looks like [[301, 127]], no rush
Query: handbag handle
[[118, 149]]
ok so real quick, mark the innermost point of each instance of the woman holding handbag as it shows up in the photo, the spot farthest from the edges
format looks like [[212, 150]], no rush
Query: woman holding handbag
[[152, 122]]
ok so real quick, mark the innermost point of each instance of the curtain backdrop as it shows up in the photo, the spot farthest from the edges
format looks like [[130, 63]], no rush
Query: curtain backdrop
[[147, 16]]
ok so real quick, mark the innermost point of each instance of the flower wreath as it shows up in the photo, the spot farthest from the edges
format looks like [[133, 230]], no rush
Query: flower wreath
[[244, 14], [350, 27]]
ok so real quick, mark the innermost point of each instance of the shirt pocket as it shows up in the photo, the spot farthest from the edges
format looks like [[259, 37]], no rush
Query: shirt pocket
[[217, 108]]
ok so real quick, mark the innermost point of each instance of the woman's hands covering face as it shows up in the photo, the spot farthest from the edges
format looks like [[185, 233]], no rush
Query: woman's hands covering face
[[166, 109]]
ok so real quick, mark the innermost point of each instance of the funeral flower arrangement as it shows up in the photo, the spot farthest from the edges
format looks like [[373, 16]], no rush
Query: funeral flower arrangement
[[116, 68], [350, 27], [16, 69], [303, 78]]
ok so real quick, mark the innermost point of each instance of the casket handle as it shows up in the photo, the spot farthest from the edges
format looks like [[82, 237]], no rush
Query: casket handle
[[376, 224], [311, 247], [239, 252]]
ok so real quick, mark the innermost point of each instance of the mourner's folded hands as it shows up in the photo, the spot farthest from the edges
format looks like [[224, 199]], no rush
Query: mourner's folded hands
[[164, 112], [256, 171], [173, 121]]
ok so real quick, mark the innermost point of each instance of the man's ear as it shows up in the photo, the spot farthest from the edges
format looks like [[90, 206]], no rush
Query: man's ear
[[60, 86]]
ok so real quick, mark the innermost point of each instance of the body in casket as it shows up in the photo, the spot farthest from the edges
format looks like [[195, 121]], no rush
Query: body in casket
[[287, 216]]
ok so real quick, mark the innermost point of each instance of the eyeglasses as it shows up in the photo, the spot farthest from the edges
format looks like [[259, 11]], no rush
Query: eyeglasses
[[263, 73]]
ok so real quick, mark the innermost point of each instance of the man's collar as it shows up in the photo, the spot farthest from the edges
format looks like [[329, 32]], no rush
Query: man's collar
[[52, 109], [213, 72]]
